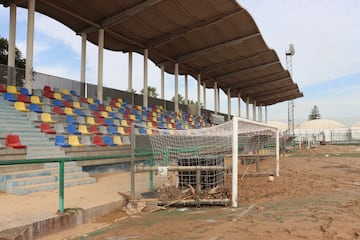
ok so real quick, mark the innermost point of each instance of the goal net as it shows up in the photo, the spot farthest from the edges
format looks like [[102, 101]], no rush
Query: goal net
[[212, 158]]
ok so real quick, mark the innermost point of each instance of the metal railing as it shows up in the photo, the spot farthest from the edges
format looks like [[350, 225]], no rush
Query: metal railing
[[62, 161]]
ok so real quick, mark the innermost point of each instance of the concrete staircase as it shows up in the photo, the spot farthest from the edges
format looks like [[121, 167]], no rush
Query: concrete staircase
[[38, 145], [25, 182]]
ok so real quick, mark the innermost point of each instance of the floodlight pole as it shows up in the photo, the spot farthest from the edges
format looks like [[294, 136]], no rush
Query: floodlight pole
[[289, 53]]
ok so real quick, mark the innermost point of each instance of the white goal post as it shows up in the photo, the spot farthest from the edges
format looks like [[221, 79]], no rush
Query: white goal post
[[233, 140]]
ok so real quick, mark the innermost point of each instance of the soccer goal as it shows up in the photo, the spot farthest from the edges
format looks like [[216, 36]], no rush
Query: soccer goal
[[209, 159]]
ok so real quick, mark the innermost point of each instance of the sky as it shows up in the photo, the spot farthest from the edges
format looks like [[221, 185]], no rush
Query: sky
[[326, 64]]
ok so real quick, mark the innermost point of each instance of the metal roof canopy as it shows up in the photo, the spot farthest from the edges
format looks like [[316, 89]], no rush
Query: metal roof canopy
[[216, 38]]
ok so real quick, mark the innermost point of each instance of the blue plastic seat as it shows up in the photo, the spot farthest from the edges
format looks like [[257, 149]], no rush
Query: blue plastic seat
[[34, 108], [108, 140], [113, 115], [109, 122], [79, 112], [61, 141], [93, 107], [113, 130], [142, 131], [72, 129], [58, 102], [67, 97], [97, 101], [74, 93], [9, 97], [25, 91], [71, 120]]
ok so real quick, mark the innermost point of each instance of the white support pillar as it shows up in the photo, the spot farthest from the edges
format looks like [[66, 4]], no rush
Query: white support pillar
[[247, 108], [176, 107], [186, 90], [145, 89], [277, 152], [254, 111], [215, 98], [266, 114], [239, 104], [258, 113], [204, 94], [218, 99], [100, 64], [162, 81], [235, 162], [130, 71], [261, 113], [11, 78], [30, 46], [83, 58], [198, 106], [229, 103]]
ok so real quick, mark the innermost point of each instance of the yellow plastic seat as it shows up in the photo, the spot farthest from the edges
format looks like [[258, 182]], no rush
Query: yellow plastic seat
[[169, 126], [149, 124], [83, 129], [104, 114], [46, 117], [12, 89], [149, 131], [117, 140], [91, 121], [20, 106], [65, 91], [118, 105], [124, 123], [74, 141], [121, 131], [108, 108], [90, 100], [119, 100], [58, 96], [132, 117], [138, 107], [69, 111], [36, 100], [77, 105], [154, 119]]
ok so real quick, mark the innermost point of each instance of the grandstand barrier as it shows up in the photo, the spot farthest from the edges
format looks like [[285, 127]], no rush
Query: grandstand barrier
[[61, 161]]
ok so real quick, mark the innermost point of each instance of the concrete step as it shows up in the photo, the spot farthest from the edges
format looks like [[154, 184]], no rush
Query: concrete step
[[56, 165], [34, 173], [12, 183], [21, 190]]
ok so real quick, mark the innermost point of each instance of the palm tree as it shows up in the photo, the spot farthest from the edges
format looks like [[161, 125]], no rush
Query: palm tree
[[151, 92]]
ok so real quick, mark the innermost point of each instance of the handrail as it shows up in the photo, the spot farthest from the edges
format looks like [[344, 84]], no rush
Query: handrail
[[62, 161]]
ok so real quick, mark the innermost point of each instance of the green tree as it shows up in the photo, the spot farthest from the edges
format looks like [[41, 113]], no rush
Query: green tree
[[20, 62], [151, 92], [314, 114]]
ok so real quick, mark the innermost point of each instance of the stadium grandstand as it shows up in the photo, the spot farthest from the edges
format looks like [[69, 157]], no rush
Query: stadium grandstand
[[215, 42]]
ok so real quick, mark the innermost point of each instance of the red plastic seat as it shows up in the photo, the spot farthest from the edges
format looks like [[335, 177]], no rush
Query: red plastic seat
[[47, 88], [97, 140], [13, 141], [93, 129], [68, 104], [2, 88], [100, 121], [83, 99], [23, 98], [58, 110], [46, 128], [49, 95]]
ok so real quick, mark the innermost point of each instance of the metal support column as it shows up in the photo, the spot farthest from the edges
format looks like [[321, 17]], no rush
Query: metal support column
[[176, 107], [100, 64], [11, 76], [198, 106], [145, 89], [130, 71], [30, 46]]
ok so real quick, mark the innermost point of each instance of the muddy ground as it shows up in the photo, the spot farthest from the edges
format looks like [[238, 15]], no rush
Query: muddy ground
[[317, 196]]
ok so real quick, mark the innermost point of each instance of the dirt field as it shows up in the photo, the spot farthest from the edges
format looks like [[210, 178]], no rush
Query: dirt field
[[317, 196]]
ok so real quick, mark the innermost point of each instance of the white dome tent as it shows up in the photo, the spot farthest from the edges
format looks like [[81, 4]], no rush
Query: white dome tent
[[322, 130], [355, 130], [279, 125]]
